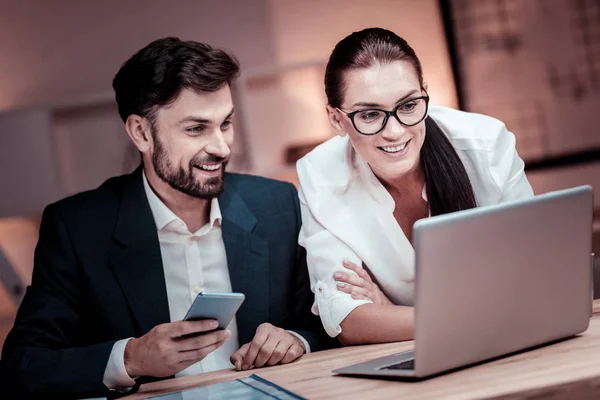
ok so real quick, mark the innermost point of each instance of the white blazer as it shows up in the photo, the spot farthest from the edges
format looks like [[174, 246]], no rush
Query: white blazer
[[348, 214]]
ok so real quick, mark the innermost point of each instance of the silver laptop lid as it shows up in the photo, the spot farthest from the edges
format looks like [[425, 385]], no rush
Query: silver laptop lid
[[497, 279]]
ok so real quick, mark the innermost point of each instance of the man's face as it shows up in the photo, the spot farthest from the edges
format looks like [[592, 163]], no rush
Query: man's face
[[192, 142]]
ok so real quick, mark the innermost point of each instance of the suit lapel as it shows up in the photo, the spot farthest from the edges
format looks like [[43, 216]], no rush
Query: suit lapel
[[138, 264], [248, 262]]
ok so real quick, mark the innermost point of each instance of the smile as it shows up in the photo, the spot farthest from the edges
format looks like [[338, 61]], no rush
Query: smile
[[212, 167], [394, 149]]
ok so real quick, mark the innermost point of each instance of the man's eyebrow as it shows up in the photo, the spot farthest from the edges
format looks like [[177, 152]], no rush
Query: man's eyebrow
[[363, 104], [230, 114], [201, 120], [195, 119]]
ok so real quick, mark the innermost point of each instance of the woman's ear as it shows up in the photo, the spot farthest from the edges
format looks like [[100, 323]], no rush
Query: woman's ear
[[425, 86], [335, 121], [138, 130]]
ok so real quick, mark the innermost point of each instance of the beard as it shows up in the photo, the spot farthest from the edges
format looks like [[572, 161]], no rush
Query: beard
[[184, 181]]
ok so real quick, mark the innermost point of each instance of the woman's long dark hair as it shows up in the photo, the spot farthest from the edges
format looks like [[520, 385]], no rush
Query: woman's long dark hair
[[447, 183]]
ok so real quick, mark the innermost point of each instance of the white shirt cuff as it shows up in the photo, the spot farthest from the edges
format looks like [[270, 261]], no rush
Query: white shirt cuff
[[299, 336], [115, 374], [333, 306]]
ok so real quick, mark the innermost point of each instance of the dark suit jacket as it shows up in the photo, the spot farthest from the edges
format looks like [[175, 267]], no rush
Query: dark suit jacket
[[98, 277]]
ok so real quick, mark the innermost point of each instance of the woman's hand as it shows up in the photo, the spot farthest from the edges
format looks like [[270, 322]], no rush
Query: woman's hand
[[361, 286]]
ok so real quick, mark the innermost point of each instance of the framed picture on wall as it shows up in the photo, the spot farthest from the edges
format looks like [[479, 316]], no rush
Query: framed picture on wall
[[535, 65]]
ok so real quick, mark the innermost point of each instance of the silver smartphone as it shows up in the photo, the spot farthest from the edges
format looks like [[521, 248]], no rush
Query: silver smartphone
[[212, 305]]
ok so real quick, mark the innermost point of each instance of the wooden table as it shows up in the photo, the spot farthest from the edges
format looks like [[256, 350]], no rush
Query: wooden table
[[568, 369]]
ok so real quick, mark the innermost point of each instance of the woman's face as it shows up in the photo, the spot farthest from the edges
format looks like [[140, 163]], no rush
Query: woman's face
[[394, 151]]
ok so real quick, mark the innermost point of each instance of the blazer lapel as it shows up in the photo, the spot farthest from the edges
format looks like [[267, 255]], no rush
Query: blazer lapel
[[138, 264], [248, 262]]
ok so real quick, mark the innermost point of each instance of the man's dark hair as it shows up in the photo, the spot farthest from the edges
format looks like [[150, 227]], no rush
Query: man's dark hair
[[154, 76]]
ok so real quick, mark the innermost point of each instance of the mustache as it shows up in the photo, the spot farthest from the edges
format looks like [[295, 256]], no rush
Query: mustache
[[210, 159]]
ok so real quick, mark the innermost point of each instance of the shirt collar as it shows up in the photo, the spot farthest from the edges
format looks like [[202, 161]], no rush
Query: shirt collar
[[163, 216], [373, 184]]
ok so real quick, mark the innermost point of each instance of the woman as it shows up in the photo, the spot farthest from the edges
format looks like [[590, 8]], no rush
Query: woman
[[395, 161]]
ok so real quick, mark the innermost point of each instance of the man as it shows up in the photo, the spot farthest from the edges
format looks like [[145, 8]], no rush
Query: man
[[117, 268]]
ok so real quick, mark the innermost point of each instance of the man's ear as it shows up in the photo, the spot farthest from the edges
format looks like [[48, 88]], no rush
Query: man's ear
[[335, 121], [425, 86], [138, 130]]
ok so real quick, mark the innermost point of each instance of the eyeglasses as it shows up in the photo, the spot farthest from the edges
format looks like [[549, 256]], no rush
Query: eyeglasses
[[372, 121]]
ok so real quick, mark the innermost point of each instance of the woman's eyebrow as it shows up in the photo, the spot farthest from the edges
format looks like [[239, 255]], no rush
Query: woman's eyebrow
[[363, 104]]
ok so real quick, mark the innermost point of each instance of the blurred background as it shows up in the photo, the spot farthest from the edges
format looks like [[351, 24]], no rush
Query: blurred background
[[535, 64]]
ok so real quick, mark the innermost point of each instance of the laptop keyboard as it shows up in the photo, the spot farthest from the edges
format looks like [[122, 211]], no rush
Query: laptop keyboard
[[408, 364]]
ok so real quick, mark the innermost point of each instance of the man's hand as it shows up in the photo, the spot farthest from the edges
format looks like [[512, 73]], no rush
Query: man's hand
[[360, 286], [271, 345], [170, 348]]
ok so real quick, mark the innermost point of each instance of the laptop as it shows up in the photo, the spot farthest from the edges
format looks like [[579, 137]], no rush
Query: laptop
[[495, 280]]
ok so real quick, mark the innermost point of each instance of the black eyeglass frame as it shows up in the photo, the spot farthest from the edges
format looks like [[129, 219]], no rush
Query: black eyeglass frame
[[387, 114]]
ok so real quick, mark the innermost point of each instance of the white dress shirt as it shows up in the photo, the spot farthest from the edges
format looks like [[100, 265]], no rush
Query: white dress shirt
[[348, 214], [192, 262]]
